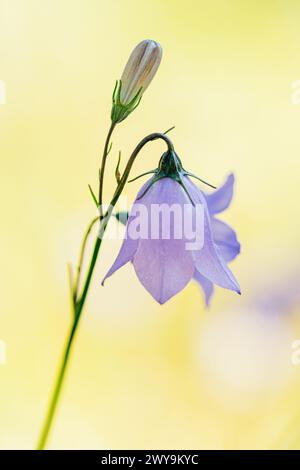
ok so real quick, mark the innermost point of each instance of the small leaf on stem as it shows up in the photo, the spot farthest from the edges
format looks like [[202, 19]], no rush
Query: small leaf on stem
[[93, 196], [117, 171]]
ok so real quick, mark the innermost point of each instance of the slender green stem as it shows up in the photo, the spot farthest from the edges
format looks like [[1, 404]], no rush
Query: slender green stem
[[79, 304], [102, 169], [57, 388], [59, 381], [81, 258]]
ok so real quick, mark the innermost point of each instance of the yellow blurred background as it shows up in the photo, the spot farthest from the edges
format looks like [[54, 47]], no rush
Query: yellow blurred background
[[143, 375]]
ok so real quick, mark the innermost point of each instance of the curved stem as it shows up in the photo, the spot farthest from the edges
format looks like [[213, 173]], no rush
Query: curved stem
[[138, 148], [79, 304]]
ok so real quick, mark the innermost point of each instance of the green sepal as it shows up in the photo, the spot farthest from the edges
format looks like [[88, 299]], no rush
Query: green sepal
[[170, 166], [119, 110]]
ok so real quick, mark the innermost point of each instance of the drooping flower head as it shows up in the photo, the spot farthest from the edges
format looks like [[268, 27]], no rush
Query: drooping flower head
[[138, 73], [173, 237]]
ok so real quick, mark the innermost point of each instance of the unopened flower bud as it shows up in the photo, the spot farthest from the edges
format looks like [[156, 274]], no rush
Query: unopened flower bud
[[137, 75], [140, 69]]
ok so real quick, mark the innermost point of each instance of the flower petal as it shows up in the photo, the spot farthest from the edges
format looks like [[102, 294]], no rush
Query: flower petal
[[225, 237], [206, 285], [208, 260], [129, 245], [126, 254], [220, 199], [164, 267]]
